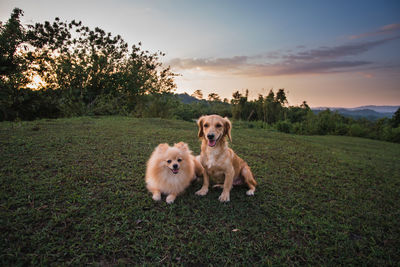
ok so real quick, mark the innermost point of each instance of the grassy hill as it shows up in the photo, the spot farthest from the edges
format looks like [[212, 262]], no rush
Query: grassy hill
[[72, 191]]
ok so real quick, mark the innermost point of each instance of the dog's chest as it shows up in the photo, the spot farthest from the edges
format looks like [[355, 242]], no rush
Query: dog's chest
[[213, 160], [214, 163]]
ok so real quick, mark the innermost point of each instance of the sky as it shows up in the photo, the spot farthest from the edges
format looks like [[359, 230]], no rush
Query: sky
[[328, 53]]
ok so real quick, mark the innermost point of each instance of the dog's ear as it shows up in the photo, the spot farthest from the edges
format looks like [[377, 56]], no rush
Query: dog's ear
[[182, 145], [162, 147], [227, 128], [200, 125]]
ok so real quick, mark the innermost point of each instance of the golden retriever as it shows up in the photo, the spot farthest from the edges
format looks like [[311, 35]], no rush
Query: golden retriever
[[219, 160], [170, 170]]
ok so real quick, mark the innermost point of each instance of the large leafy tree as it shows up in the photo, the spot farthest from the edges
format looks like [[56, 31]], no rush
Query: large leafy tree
[[87, 64], [80, 68], [14, 64]]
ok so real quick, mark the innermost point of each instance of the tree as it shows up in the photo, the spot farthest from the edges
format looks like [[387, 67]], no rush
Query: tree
[[198, 94], [281, 97], [13, 65], [214, 97], [237, 106], [395, 120], [87, 64], [270, 108], [305, 106]]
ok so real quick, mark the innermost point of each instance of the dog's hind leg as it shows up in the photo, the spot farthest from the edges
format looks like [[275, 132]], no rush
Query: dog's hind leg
[[249, 180]]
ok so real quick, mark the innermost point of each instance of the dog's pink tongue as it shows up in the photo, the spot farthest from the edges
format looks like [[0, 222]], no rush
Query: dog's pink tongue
[[212, 142], [175, 171]]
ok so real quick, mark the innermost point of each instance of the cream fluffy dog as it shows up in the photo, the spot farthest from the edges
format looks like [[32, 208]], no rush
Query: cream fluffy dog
[[170, 170], [219, 160]]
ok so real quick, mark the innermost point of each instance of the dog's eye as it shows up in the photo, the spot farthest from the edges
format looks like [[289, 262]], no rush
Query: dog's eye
[[206, 125], [169, 161], [218, 125], [179, 160]]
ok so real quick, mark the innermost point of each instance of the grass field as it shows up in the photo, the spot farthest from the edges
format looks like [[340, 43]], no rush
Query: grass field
[[73, 192]]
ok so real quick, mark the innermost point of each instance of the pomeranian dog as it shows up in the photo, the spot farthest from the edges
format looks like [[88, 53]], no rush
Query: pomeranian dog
[[170, 170]]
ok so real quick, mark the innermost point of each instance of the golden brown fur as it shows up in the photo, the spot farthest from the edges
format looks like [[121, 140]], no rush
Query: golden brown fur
[[170, 170], [219, 160]]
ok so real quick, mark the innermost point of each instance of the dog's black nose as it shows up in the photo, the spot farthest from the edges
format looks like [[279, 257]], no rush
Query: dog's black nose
[[210, 136], [175, 166]]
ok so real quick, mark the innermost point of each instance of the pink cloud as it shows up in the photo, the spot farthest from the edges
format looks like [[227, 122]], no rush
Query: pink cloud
[[322, 60], [387, 29]]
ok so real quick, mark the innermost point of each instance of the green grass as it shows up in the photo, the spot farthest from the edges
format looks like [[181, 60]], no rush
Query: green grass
[[73, 192]]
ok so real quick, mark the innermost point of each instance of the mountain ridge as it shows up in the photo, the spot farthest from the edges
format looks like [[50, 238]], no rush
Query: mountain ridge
[[371, 112], [376, 108]]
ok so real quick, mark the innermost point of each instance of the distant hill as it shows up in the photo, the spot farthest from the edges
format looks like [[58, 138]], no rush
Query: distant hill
[[187, 99], [369, 112], [380, 109]]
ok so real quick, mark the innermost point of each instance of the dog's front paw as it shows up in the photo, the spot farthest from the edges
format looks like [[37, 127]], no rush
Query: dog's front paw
[[224, 197], [170, 199], [157, 196], [202, 192]]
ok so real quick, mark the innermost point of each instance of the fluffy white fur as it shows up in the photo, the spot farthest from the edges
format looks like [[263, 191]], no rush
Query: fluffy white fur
[[170, 170]]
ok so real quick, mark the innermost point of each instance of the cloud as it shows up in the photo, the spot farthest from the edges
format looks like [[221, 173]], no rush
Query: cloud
[[298, 68], [321, 60], [250, 69], [209, 64], [321, 67], [338, 51], [387, 29]]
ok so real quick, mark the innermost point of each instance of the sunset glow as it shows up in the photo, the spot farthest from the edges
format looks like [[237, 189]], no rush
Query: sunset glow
[[36, 82], [224, 46]]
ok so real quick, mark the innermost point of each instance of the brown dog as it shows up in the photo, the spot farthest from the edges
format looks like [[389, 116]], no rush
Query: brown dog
[[219, 160]]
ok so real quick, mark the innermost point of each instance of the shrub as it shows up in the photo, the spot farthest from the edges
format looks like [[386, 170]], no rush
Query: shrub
[[395, 137], [341, 128], [356, 130], [284, 126], [391, 134], [184, 112], [108, 105]]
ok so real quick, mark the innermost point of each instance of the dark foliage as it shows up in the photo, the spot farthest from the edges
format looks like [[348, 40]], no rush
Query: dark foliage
[[82, 71]]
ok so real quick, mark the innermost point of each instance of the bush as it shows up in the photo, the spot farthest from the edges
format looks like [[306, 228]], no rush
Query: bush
[[395, 136], [108, 105], [392, 134], [184, 112], [341, 128], [325, 122], [356, 130], [297, 128], [284, 126]]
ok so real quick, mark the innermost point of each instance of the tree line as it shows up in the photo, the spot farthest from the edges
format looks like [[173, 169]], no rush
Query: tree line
[[61, 69], [274, 112]]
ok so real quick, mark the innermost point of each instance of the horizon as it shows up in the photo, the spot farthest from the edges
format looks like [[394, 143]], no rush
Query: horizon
[[227, 46], [312, 107]]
